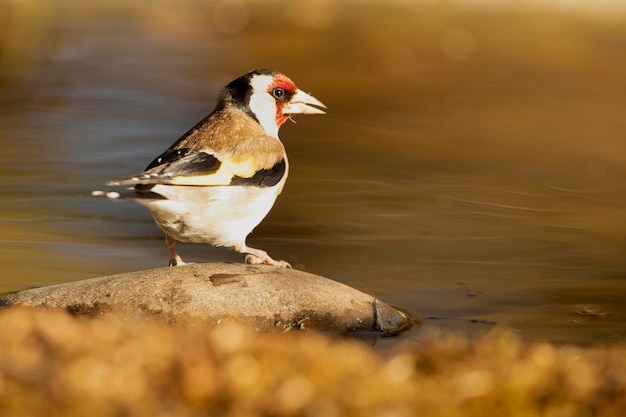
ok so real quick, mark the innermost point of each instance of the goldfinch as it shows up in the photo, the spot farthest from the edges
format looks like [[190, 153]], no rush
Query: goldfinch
[[221, 178]]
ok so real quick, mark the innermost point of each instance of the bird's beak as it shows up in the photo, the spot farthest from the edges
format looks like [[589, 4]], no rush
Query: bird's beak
[[303, 103]]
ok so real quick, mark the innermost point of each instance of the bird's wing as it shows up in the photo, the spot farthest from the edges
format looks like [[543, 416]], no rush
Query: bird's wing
[[256, 162]]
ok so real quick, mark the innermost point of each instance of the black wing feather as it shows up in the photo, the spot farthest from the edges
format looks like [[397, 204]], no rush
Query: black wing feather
[[199, 163], [168, 157], [263, 177]]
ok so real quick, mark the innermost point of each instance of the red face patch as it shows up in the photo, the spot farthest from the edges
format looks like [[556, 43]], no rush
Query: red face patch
[[289, 87], [283, 82]]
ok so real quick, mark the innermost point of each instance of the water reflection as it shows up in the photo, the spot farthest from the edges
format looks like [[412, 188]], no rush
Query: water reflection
[[470, 165]]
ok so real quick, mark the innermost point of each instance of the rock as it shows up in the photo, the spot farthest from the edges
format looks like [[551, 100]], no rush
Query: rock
[[266, 297]]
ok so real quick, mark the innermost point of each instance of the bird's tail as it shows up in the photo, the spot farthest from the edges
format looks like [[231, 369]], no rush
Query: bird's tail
[[127, 193]]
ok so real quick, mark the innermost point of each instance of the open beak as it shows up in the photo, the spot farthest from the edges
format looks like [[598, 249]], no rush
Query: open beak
[[303, 103]]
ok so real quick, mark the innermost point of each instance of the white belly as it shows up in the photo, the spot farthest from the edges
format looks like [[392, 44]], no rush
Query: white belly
[[220, 216]]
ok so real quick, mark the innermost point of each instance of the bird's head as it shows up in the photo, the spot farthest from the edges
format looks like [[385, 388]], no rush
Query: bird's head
[[271, 98]]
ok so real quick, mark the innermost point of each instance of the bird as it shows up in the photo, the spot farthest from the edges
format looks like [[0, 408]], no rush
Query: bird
[[220, 179]]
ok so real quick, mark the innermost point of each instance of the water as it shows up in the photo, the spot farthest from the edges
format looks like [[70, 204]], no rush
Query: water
[[470, 167]]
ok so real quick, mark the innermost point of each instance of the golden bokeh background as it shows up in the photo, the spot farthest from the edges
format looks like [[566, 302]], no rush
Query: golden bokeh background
[[470, 167]]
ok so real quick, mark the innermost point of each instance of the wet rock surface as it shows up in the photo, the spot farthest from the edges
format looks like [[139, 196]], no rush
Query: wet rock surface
[[268, 298]]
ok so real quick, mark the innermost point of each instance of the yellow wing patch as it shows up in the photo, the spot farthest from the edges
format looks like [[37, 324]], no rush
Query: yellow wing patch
[[222, 176]]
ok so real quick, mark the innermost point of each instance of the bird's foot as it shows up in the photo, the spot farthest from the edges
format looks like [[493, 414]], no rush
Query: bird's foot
[[266, 260], [176, 261], [259, 257]]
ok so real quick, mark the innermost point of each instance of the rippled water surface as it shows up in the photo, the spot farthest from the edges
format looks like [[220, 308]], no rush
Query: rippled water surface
[[470, 167]]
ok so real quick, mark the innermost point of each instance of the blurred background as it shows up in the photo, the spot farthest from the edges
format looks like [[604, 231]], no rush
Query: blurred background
[[470, 167]]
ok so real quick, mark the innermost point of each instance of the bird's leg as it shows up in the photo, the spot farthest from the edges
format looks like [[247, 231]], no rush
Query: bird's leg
[[175, 259], [258, 256]]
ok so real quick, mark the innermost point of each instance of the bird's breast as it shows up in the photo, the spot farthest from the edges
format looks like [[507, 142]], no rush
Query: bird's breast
[[218, 215]]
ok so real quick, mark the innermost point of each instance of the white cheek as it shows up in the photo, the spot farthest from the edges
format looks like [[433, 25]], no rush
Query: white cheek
[[264, 107]]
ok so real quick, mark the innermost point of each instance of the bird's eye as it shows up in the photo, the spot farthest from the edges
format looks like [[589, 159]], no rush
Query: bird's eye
[[278, 93]]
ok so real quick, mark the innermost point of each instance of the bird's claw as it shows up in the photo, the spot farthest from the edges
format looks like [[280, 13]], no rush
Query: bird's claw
[[255, 260], [176, 262]]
